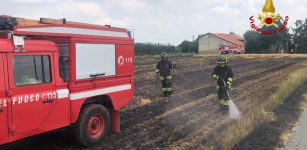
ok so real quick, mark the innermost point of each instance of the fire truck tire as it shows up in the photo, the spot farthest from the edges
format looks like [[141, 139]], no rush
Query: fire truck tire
[[92, 126]]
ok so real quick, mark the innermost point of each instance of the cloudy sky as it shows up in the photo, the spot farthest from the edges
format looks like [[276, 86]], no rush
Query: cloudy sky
[[164, 21]]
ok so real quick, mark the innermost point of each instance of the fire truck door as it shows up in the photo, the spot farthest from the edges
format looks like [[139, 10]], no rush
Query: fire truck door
[[3, 101], [32, 90]]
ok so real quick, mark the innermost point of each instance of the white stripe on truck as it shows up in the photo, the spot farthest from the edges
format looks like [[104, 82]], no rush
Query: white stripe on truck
[[63, 93], [97, 92]]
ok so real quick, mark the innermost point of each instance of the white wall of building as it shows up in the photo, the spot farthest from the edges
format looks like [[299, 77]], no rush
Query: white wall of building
[[210, 44]]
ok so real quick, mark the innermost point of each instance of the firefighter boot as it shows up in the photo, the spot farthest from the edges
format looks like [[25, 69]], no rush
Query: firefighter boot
[[169, 91], [169, 88], [164, 91], [224, 107]]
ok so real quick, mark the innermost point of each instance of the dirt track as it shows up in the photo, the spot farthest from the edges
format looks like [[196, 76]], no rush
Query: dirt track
[[188, 119]]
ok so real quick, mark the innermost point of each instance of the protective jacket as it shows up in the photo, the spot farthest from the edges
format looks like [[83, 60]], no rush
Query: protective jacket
[[164, 68], [224, 75]]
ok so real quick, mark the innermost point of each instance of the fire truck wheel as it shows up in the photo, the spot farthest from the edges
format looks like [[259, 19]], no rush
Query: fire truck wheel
[[93, 125]]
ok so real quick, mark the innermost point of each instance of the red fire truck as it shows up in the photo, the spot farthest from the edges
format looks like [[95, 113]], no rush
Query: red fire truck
[[64, 75], [231, 49]]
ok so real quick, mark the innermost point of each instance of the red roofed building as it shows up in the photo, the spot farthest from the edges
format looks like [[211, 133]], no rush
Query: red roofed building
[[213, 43]]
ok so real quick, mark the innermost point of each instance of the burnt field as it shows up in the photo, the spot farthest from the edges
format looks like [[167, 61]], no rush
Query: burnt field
[[188, 119]]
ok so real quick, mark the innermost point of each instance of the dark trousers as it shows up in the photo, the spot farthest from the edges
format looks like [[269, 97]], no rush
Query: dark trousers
[[166, 86], [223, 98]]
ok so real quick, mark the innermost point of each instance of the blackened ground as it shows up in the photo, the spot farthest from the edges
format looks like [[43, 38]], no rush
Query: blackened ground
[[268, 136], [190, 117]]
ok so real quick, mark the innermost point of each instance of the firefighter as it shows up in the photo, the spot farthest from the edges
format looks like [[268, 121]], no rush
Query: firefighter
[[163, 70], [224, 76]]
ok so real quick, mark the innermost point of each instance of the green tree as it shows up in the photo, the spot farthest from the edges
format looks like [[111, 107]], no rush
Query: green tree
[[188, 47], [300, 36], [257, 43], [252, 42]]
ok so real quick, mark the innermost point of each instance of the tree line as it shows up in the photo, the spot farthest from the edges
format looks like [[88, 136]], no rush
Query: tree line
[[153, 48], [290, 40], [158, 48]]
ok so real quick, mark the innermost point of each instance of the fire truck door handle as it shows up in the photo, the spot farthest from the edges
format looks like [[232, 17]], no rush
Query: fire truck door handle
[[1, 110], [97, 75], [48, 101]]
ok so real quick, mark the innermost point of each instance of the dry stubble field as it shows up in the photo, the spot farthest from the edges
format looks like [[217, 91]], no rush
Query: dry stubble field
[[189, 118]]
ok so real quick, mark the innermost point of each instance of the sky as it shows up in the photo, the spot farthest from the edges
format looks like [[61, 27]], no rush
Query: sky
[[157, 21]]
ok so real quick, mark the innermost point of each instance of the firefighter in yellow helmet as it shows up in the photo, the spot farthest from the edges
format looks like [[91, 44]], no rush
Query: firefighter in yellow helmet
[[224, 76], [163, 70]]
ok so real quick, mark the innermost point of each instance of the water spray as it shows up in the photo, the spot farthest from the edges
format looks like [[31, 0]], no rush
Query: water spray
[[234, 112]]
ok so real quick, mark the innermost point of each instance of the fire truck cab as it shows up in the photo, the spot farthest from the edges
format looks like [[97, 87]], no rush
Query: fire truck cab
[[55, 76]]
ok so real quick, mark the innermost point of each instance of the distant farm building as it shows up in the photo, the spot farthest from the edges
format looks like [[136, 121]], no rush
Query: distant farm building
[[214, 43]]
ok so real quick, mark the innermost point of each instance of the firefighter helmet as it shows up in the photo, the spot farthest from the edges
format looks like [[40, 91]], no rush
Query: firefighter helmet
[[221, 60], [164, 55]]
